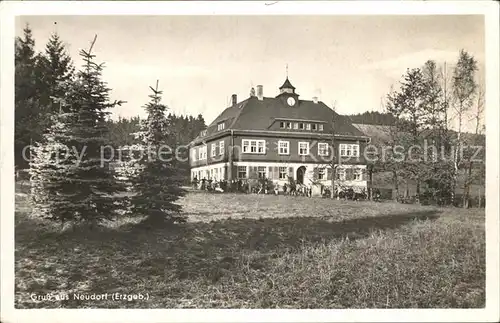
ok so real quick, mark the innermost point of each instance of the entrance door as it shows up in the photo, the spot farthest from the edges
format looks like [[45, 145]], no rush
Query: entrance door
[[300, 174]]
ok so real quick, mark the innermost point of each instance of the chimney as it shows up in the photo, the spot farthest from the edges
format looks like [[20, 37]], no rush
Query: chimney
[[315, 99], [260, 92], [234, 100]]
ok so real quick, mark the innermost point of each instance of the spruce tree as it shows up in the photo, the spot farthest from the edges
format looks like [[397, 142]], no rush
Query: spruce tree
[[27, 105], [52, 167], [56, 69], [96, 185], [158, 183], [79, 186]]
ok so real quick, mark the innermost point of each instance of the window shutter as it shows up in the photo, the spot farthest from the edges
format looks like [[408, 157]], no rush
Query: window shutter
[[364, 174], [329, 173], [270, 173], [290, 172], [276, 172]]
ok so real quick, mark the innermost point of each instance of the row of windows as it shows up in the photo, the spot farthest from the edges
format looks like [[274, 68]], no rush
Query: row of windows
[[283, 173], [259, 147], [301, 126], [214, 174], [202, 151], [261, 172]]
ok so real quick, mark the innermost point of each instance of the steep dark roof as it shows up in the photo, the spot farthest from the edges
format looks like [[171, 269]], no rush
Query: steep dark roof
[[379, 134], [287, 85], [255, 114]]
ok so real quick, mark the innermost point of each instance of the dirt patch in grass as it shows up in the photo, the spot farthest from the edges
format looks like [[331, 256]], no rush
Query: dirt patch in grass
[[249, 251]]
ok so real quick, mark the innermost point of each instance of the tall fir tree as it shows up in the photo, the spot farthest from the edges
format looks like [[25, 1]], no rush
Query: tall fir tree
[[81, 187], [27, 103], [52, 169], [158, 183], [96, 185], [56, 69]]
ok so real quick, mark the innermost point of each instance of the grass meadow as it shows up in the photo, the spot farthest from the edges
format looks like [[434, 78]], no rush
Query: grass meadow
[[254, 251]]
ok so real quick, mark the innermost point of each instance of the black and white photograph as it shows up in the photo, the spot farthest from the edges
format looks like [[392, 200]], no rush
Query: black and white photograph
[[270, 156]]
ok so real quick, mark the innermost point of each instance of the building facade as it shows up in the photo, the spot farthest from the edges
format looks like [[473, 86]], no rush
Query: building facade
[[277, 138]]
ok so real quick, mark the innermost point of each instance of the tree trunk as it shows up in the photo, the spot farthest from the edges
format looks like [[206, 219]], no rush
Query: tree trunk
[[456, 161], [467, 182], [396, 184], [332, 193], [370, 181], [417, 191]]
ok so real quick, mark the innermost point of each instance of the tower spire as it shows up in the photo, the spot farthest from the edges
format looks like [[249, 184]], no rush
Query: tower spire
[[286, 70]]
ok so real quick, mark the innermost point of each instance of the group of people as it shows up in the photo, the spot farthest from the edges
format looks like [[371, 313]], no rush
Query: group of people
[[220, 186], [263, 187], [294, 189], [287, 189]]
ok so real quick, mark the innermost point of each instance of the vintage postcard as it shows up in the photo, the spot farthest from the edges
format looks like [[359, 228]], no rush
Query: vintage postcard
[[249, 161]]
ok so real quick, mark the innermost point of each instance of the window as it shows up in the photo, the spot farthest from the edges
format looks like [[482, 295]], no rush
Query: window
[[321, 173], [295, 125], [203, 133], [216, 174], [261, 170], [282, 124], [221, 148], [308, 126], [349, 150], [261, 149], [314, 126], [355, 150], [220, 126], [283, 147], [303, 148], [193, 154], [211, 174], [357, 174], [254, 146], [340, 174], [282, 173], [212, 151], [202, 153], [242, 172], [301, 126], [322, 149], [289, 125], [320, 127]]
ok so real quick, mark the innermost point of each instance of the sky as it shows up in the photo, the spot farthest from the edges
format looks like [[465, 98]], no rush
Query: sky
[[200, 61]]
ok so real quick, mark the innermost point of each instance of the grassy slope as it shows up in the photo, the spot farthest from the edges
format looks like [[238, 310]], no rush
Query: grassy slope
[[264, 252]]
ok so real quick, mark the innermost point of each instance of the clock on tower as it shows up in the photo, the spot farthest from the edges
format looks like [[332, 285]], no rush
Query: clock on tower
[[288, 95]]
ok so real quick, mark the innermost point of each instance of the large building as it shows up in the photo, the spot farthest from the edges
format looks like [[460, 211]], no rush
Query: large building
[[277, 138]]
